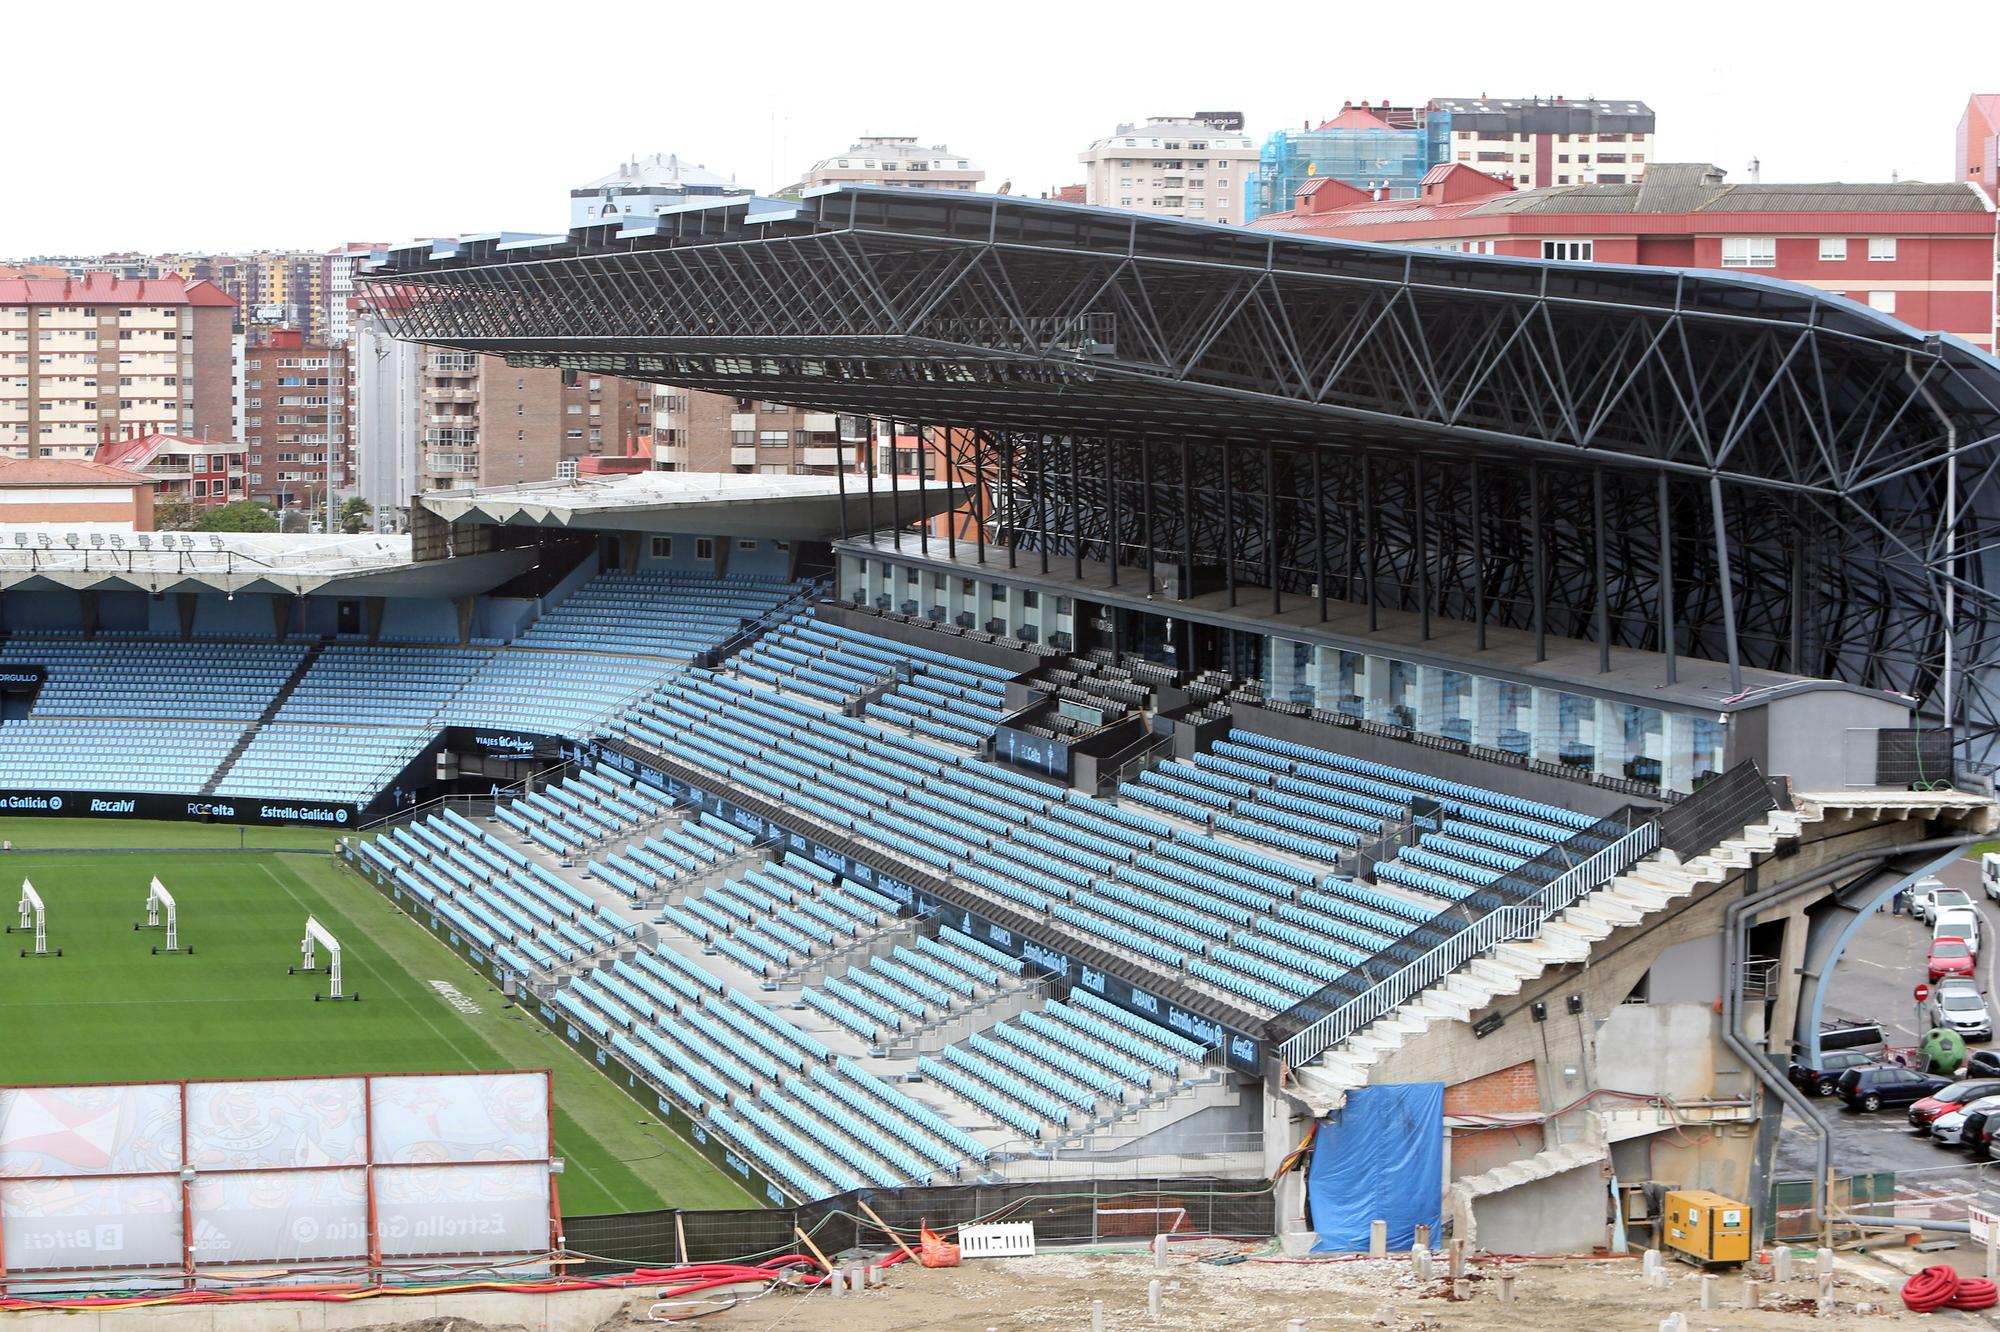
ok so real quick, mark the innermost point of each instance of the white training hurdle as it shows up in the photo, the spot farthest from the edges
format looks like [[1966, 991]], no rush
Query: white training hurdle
[[35, 914], [317, 934], [156, 897]]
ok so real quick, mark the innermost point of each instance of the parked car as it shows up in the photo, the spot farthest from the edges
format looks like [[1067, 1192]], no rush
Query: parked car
[[1950, 1097], [1983, 1064], [1989, 875], [1824, 1080], [1872, 1088], [1951, 957], [1972, 1129], [1979, 1137], [1928, 896], [1951, 1127], [1958, 923], [1956, 1005]]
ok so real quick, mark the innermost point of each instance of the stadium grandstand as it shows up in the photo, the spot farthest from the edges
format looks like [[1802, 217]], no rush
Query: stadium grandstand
[[1316, 688]]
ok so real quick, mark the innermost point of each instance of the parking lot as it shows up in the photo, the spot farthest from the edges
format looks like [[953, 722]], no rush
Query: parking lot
[[1873, 984]]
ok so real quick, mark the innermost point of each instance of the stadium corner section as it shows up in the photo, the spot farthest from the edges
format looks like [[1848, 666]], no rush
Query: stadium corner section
[[111, 1010]]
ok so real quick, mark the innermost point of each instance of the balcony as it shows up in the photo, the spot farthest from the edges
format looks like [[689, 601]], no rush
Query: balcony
[[828, 457], [821, 422], [743, 421], [741, 457], [451, 420]]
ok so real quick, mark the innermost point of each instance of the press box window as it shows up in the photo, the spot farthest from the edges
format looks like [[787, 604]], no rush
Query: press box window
[[663, 548], [704, 548]]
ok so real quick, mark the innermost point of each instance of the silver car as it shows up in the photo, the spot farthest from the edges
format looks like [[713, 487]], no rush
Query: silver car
[[1957, 1005]]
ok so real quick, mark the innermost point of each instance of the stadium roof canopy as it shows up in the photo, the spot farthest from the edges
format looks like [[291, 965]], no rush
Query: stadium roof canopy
[[1016, 314], [1710, 462], [735, 503], [369, 564]]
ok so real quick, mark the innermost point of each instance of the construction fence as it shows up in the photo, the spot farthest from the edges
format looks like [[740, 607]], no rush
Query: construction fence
[[1083, 1211]]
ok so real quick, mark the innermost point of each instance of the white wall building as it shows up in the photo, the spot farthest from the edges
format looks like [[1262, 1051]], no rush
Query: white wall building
[[646, 188], [896, 160], [1177, 166], [387, 400]]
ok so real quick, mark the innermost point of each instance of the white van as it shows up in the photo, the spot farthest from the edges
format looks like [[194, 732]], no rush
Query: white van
[[1958, 923], [1989, 875]]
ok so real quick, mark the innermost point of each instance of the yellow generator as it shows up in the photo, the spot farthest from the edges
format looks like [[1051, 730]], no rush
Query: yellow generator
[[1706, 1228]]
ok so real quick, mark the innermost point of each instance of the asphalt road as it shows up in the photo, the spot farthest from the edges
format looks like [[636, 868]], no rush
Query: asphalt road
[[1873, 983]]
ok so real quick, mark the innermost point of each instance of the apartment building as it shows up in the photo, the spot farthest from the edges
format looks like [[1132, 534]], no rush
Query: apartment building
[[1529, 142], [1180, 166], [486, 423], [647, 187], [84, 360], [714, 432], [295, 419], [198, 472], [896, 161], [1918, 251]]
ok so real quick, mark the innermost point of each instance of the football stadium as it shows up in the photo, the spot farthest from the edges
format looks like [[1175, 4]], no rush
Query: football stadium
[[1313, 742]]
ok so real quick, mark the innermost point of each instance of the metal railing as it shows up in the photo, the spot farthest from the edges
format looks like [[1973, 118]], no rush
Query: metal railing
[[1502, 924], [1539, 888]]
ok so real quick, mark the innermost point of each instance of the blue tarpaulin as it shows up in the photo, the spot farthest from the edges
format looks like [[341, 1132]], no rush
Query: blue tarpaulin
[[1381, 1160]]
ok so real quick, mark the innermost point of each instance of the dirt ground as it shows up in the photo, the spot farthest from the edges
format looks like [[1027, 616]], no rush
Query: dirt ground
[[1054, 1294]]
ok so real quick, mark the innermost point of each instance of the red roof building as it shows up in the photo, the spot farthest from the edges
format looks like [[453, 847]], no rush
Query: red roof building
[[1978, 147], [100, 357], [1921, 252], [186, 471], [72, 495]]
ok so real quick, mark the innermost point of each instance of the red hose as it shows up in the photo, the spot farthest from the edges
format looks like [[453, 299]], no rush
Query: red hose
[[1932, 1289], [1975, 1293]]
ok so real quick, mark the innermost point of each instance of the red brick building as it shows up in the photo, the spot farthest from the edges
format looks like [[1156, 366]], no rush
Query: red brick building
[[1921, 252], [1978, 146], [295, 419]]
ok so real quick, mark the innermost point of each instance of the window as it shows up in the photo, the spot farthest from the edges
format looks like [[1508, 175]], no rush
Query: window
[[1572, 251], [1030, 599], [1749, 252], [1832, 248], [1885, 301], [704, 548], [1881, 249], [663, 548], [746, 545]]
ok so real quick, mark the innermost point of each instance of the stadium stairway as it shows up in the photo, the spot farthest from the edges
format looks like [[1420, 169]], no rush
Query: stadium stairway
[[1650, 886], [278, 701]]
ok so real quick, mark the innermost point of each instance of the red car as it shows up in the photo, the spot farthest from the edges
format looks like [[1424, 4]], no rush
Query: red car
[[1955, 1097], [1950, 957]]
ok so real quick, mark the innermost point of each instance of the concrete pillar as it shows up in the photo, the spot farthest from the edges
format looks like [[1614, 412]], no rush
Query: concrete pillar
[[1708, 1290], [1680, 765], [1781, 1263], [1420, 1262], [1326, 685], [1423, 1238], [1506, 1288], [1429, 701], [1378, 1239], [1458, 1252], [1160, 1251], [1153, 1299], [1612, 748], [1753, 1293], [1656, 1279], [1487, 716], [1097, 1316], [1649, 1262], [1376, 698], [1461, 1289], [1545, 734]]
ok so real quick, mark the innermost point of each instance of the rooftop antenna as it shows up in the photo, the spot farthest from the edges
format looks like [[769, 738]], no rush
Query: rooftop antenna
[[1756, 171]]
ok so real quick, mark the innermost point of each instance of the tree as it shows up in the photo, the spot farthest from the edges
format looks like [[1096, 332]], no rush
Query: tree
[[355, 513], [240, 516], [294, 520], [173, 516]]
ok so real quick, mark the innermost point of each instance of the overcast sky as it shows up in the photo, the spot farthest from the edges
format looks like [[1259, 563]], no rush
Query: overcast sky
[[302, 126]]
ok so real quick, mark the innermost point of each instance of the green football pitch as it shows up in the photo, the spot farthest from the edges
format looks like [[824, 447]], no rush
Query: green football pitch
[[109, 1010]]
